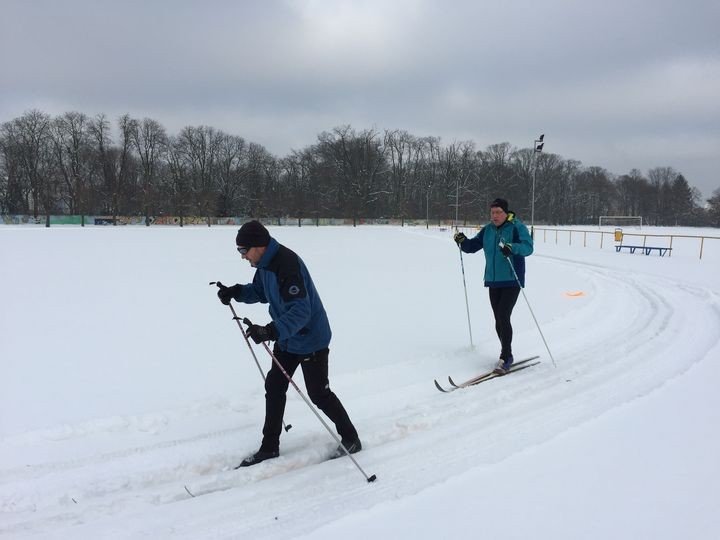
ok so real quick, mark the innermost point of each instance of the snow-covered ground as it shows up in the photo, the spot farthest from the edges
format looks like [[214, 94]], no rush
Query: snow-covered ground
[[123, 381]]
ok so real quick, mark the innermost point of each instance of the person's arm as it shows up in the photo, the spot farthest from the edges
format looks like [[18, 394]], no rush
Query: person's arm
[[293, 294], [251, 293], [474, 244], [523, 242]]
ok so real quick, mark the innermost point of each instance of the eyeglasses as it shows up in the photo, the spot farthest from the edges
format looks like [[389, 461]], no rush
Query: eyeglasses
[[243, 250]]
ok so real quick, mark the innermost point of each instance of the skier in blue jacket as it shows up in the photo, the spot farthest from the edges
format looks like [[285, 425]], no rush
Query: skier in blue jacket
[[300, 330], [504, 239]]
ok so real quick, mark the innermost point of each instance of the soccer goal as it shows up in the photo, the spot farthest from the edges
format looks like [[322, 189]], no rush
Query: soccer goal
[[621, 221]]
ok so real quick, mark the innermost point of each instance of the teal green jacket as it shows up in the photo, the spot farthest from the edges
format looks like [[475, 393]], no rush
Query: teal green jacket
[[498, 272]]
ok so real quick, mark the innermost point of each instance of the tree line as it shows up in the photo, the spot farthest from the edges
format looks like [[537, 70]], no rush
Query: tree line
[[79, 165]]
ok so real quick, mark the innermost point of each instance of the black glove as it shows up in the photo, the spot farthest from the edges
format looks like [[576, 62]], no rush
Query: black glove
[[506, 249], [262, 333], [225, 294], [459, 238]]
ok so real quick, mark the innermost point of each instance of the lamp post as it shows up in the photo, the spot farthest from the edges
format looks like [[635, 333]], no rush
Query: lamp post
[[537, 148], [427, 207]]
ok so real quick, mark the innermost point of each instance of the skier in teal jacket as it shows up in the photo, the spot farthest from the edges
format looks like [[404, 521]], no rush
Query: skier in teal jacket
[[504, 239]]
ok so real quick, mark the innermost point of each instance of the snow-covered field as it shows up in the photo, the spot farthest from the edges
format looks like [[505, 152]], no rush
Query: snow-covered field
[[124, 381]]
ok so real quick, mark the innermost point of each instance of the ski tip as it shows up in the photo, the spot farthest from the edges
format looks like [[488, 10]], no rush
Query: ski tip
[[437, 385], [372, 478], [189, 492]]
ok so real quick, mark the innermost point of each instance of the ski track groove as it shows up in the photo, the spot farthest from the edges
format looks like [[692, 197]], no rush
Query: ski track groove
[[476, 437]]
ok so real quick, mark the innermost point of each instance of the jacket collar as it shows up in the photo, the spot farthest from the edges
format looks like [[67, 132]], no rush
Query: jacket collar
[[270, 252], [510, 218]]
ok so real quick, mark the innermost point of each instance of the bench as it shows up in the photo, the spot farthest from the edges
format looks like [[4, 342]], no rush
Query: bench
[[645, 249]]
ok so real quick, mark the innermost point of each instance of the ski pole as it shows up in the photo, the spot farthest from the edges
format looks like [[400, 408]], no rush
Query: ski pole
[[522, 290], [309, 404], [462, 263], [252, 351], [467, 304]]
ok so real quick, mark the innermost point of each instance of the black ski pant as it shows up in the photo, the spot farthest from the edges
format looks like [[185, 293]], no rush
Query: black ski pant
[[502, 300], [315, 373]]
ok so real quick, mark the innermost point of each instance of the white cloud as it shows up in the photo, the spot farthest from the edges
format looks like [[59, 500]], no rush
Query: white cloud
[[617, 76]]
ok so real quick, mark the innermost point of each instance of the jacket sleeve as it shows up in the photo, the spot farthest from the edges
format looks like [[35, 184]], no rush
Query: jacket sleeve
[[471, 245], [297, 311], [252, 293], [523, 243]]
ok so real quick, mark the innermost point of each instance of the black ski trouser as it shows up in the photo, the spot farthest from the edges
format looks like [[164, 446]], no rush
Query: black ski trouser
[[315, 373], [502, 300]]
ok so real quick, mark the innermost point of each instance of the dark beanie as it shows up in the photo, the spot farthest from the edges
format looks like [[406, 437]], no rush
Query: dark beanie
[[252, 234], [500, 203]]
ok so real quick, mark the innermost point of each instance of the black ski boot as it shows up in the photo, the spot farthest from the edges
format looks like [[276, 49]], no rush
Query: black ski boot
[[258, 457], [352, 447]]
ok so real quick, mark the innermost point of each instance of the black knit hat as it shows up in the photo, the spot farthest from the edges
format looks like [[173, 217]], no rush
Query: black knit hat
[[500, 203], [252, 234]]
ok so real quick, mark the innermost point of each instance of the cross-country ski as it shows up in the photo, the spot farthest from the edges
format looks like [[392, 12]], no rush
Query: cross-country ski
[[129, 392], [484, 376], [517, 366]]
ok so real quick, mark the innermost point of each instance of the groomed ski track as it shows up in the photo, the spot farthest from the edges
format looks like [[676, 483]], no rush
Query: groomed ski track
[[120, 485]]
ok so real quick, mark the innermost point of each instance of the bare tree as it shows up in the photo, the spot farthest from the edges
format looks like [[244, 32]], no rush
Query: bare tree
[[496, 163], [359, 162], [115, 162], [72, 150], [458, 168], [176, 185], [632, 194], [150, 142], [592, 193], [661, 179], [714, 208], [15, 187], [296, 177], [232, 157], [401, 150], [553, 203], [257, 195], [198, 147], [28, 140], [522, 162], [72, 164]]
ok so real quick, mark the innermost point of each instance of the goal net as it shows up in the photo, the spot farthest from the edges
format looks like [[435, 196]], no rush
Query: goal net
[[621, 221]]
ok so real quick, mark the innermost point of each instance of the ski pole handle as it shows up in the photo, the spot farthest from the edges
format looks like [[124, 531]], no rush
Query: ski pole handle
[[245, 337], [247, 321]]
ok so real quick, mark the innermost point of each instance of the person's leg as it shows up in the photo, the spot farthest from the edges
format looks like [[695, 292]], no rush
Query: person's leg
[[315, 372], [495, 295], [276, 385], [506, 300]]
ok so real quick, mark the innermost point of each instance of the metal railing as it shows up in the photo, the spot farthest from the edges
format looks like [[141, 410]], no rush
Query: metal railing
[[584, 235]]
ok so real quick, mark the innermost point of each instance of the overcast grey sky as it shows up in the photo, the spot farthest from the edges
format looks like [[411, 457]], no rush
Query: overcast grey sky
[[619, 84]]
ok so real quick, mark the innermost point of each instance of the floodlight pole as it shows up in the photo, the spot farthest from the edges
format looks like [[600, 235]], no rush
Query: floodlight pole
[[537, 148], [427, 207]]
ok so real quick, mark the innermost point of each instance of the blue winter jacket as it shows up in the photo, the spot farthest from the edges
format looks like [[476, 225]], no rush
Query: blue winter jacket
[[498, 272], [283, 281]]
